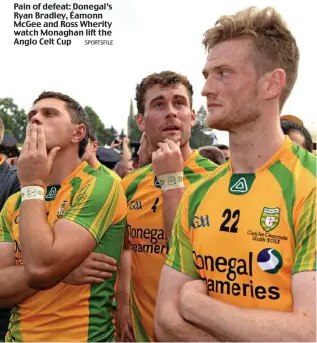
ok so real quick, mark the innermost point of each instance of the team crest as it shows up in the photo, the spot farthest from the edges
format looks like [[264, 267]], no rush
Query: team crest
[[270, 218]]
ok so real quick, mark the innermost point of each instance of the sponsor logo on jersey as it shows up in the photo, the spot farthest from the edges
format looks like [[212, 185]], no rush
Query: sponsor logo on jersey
[[51, 192], [136, 205], [270, 260], [157, 183], [200, 221], [234, 276], [148, 240], [240, 186], [270, 218]]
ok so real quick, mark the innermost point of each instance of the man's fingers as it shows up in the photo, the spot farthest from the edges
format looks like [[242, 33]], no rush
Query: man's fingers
[[33, 138], [98, 274], [41, 143], [172, 145], [103, 258], [128, 334], [102, 266], [164, 146], [52, 155], [26, 145], [92, 280]]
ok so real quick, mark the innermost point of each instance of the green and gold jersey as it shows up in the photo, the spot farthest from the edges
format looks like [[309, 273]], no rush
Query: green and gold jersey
[[148, 240], [95, 201], [245, 235], [108, 171]]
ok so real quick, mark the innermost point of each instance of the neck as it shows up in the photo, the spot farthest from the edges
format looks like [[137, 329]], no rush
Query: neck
[[253, 145], [186, 151], [64, 164], [93, 161]]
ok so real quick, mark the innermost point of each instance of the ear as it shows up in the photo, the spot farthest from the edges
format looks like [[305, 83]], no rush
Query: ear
[[94, 146], [140, 122], [193, 118], [79, 133], [274, 83]]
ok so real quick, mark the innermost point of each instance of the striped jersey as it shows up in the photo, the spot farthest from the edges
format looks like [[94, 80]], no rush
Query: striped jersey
[[95, 201], [108, 171], [245, 235], [148, 240]]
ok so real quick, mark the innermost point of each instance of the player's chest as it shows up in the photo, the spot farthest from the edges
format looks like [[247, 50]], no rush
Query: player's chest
[[55, 207], [234, 222]]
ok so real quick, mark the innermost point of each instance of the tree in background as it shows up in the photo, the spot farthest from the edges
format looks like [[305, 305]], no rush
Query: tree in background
[[198, 137], [133, 132], [104, 135], [14, 119]]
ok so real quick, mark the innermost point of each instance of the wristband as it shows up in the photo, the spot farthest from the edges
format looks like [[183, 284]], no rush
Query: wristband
[[32, 192], [171, 181]]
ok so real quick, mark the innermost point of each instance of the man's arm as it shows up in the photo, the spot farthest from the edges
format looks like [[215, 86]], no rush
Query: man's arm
[[169, 324], [50, 253], [171, 200], [123, 292], [229, 321], [14, 288], [168, 160]]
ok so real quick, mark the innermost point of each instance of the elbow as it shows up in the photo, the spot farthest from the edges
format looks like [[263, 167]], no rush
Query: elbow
[[162, 327], [39, 277]]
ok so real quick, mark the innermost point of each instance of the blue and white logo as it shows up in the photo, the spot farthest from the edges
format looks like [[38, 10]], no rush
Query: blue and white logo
[[270, 260]]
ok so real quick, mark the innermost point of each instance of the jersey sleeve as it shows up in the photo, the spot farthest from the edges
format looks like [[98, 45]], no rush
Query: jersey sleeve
[[180, 256], [305, 230], [6, 223], [97, 205]]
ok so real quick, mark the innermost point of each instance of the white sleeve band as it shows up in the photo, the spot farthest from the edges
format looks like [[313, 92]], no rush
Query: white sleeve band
[[32, 192], [171, 181]]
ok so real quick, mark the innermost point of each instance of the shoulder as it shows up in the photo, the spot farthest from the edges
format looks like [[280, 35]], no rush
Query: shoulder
[[205, 182], [135, 177]]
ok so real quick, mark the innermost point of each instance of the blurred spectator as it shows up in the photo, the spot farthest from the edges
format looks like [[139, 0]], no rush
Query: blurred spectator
[[213, 154], [144, 153], [90, 155], [293, 118], [9, 184], [135, 146], [108, 157], [122, 169], [225, 150], [10, 152], [298, 134]]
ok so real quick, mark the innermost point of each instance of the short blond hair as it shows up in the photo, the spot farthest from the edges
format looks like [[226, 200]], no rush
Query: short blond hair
[[274, 44], [1, 130]]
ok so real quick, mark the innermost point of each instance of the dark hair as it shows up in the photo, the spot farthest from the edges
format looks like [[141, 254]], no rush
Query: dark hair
[[213, 154], [164, 79], [76, 113], [289, 126], [10, 150], [221, 146]]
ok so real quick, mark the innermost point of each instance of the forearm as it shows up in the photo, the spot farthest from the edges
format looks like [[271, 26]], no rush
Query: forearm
[[123, 279], [35, 234], [171, 200], [175, 329], [126, 155], [228, 321], [14, 289]]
